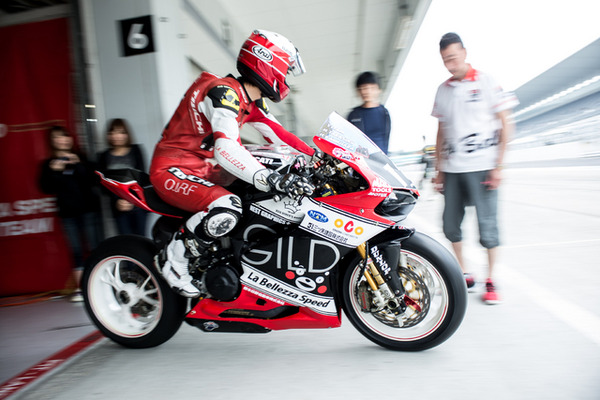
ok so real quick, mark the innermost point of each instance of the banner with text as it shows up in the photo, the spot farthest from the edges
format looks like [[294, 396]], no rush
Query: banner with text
[[36, 82]]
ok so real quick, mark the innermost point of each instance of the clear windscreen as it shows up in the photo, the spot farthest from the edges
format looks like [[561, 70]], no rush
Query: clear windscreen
[[342, 133]]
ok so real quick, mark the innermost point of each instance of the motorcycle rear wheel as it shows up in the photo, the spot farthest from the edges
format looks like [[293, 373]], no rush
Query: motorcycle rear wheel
[[126, 297], [437, 298]]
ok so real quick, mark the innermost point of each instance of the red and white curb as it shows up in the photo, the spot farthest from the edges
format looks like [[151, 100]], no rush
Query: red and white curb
[[42, 368]]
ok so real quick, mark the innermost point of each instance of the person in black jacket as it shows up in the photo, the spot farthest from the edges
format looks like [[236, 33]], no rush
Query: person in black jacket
[[68, 176], [371, 117], [121, 154]]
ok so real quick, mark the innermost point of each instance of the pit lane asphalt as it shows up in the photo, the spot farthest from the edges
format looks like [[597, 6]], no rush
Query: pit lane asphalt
[[542, 342]]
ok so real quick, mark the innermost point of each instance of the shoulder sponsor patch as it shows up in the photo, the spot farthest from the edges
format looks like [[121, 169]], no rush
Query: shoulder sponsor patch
[[225, 97]]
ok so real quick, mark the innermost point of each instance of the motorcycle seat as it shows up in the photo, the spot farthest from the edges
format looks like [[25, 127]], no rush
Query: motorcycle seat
[[135, 181]]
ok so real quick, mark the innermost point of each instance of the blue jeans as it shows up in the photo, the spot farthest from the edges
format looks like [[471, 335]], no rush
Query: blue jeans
[[83, 233], [131, 222]]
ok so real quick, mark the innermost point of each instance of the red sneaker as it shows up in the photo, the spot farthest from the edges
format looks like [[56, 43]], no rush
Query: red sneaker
[[491, 296], [470, 280]]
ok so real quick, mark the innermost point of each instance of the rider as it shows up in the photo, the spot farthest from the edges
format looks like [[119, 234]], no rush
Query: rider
[[200, 151]]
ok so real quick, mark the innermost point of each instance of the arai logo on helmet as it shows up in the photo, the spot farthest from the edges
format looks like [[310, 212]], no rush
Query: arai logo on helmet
[[262, 53], [317, 216]]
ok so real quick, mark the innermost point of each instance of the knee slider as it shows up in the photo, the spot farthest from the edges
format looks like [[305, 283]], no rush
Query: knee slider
[[218, 222]]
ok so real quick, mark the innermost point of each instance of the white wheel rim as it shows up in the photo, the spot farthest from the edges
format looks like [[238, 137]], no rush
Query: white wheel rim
[[128, 309], [438, 307]]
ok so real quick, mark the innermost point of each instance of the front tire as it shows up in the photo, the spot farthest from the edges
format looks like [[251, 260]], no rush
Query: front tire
[[436, 295], [125, 296]]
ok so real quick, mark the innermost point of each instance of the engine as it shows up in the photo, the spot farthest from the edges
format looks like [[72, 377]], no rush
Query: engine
[[213, 273], [222, 282]]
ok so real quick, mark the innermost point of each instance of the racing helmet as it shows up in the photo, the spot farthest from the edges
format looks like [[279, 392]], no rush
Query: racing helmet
[[265, 59]]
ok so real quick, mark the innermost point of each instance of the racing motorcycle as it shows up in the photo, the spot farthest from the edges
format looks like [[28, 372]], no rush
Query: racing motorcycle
[[291, 263]]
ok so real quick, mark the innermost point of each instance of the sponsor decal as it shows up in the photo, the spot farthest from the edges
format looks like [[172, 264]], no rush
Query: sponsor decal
[[341, 228], [276, 288], [285, 251], [342, 154], [230, 159], [317, 216], [265, 160], [183, 176], [268, 215], [179, 187], [348, 226], [305, 283], [291, 206], [196, 112], [262, 52], [378, 194], [287, 209], [327, 233], [380, 188], [378, 258]]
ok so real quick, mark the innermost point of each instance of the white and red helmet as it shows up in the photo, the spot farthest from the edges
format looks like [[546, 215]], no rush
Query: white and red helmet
[[265, 59]]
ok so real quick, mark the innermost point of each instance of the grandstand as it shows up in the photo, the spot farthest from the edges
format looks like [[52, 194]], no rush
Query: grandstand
[[561, 105], [579, 120]]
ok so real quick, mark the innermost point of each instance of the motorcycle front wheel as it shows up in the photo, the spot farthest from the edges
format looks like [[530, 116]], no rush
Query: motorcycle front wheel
[[125, 296], [436, 298]]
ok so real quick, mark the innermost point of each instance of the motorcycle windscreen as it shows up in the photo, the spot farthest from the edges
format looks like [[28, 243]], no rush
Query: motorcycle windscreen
[[338, 131]]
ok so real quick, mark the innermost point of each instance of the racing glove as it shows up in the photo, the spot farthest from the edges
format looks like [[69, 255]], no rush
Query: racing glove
[[292, 185]]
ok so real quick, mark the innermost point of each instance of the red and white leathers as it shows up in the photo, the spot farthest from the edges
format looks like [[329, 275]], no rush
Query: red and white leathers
[[200, 152], [203, 140]]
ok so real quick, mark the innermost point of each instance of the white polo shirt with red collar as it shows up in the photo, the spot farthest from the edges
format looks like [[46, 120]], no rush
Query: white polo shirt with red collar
[[467, 110]]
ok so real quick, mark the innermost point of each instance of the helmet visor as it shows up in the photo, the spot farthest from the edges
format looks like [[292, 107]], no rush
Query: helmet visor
[[296, 64]]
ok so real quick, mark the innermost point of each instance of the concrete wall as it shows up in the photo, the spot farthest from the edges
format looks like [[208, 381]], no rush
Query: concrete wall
[[189, 35], [144, 89]]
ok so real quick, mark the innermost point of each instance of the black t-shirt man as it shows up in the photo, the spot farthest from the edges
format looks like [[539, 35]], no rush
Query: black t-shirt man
[[371, 117]]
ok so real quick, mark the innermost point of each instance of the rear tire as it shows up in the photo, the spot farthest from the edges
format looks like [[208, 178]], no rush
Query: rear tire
[[433, 281], [126, 297]]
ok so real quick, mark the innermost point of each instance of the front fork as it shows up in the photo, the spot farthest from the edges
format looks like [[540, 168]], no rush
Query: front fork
[[381, 273]]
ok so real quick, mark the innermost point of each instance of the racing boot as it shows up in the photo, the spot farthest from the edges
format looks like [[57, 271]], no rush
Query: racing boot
[[173, 262]]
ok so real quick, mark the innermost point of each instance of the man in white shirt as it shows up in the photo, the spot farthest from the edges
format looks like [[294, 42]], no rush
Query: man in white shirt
[[474, 127]]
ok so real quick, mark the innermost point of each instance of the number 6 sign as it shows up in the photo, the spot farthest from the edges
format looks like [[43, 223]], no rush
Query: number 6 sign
[[136, 36]]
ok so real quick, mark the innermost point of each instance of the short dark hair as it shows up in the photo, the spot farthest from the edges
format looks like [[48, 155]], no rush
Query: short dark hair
[[367, 78], [448, 39]]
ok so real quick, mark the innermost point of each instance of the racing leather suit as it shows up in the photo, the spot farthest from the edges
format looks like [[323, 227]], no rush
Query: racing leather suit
[[202, 140], [200, 152]]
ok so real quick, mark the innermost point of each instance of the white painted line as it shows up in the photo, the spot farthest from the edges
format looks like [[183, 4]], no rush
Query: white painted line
[[552, 244], [575, 316], [569, 312]]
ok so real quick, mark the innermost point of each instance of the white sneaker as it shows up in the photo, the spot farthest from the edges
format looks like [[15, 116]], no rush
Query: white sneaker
[[175, 270], [76, 296]]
